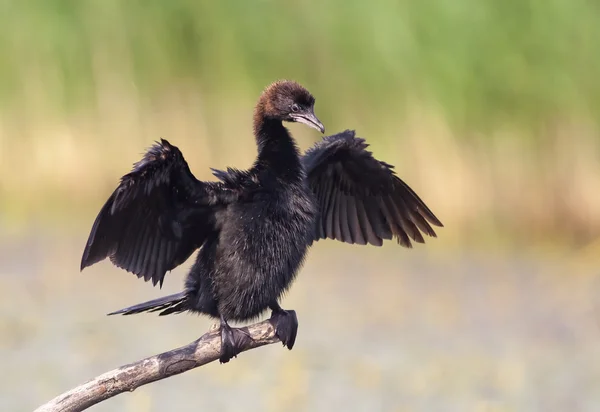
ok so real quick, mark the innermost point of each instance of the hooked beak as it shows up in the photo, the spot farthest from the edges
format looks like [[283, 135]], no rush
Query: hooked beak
[[309, 119]]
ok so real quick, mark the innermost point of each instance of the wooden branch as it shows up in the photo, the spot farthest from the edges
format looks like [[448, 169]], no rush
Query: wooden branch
[[204, 350]]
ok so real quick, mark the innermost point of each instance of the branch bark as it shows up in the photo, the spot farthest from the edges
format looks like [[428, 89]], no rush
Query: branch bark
[[204, 350]]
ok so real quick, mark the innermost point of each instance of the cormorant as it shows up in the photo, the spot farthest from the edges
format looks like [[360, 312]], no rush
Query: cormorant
[[253, 227]]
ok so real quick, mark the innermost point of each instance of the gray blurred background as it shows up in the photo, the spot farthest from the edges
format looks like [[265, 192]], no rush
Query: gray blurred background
[[488, 109]]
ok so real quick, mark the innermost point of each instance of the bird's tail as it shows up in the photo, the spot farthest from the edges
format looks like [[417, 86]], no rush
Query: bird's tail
[[168, 304]]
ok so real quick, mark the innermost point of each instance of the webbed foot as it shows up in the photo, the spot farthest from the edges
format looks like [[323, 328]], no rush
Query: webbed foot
[[285, 323], [232, 341]]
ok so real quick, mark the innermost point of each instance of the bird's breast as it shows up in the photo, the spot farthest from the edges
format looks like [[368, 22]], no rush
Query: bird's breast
[[261, 246], [265, 240]]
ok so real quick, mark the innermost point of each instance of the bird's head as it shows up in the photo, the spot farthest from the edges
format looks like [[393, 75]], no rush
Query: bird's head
[[288, 101]]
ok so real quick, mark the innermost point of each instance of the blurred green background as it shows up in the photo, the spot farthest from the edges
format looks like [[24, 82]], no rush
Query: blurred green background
[[489, 110]]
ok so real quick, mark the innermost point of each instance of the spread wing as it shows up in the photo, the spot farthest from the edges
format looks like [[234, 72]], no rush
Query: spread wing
[[361, 200], [156, 218]]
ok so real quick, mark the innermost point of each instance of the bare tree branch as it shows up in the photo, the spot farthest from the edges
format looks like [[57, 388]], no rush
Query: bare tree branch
[[129, 377]]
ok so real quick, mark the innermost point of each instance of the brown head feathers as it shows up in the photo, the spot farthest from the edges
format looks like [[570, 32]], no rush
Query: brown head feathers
[[277, 98], [283, 100]]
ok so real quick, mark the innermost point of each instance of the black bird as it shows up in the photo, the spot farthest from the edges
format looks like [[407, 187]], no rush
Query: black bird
[[253, 227]]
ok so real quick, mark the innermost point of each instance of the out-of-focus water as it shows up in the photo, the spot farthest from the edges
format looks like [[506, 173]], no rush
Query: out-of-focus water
[[380, 330]]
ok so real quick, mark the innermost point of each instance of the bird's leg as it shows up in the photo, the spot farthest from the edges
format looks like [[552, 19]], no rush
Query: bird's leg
[[232, 341], [285, 323]]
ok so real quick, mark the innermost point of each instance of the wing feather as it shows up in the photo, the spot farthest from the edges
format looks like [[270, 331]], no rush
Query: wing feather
[[354, 224], [157, 216], [361, 200]]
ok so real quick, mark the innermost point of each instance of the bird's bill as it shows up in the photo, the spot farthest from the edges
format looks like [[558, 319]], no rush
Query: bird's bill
[[309, 119]]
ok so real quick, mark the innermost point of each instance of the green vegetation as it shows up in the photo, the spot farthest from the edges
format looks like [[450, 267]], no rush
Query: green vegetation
[[470, 87], [485, 62]]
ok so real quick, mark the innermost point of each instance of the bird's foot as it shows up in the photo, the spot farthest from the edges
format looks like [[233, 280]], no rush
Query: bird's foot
[[285, 323], [232, 342]]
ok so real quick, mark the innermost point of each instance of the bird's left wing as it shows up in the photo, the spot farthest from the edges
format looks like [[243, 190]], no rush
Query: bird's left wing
[[361, 200]]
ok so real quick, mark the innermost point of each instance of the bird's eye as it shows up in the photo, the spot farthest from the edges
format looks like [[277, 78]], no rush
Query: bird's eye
[[295, 107]]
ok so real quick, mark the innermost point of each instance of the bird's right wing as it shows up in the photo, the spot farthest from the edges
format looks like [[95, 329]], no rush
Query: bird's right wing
[[157, 217]]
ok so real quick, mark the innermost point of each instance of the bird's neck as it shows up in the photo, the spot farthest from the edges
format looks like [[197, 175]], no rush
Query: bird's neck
[[277, 150]]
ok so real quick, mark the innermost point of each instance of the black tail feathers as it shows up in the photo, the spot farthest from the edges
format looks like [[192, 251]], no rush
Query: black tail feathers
[[168, 304]]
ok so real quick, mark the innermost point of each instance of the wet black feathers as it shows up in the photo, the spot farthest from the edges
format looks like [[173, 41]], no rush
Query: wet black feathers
[[360, 199], [166, 305], [160, 213], [253, 227], [155, 219]]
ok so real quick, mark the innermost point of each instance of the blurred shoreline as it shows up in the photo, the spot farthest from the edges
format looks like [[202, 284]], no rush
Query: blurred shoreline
[[381, 330]]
